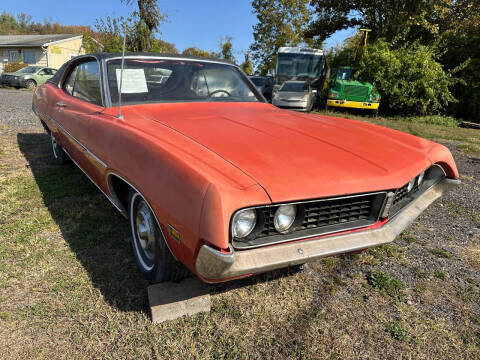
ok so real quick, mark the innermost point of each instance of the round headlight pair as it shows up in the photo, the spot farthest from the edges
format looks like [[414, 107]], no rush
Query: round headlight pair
[[244, 221]]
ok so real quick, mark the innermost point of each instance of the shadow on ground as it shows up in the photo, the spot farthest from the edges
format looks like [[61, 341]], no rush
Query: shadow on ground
[[95, 232]]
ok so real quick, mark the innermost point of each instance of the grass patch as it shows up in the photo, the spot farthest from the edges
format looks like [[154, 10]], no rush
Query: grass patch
[[411, 239], [387, 285], [4, 315], [397, 331], [441, 253], [440, 275], [388, 251]]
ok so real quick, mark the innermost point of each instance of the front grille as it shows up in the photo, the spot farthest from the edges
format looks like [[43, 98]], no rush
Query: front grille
[[356, 93], [326, 213]]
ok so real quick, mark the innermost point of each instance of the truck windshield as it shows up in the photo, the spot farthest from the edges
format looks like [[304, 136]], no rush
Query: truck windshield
[[301, 65], [344, 74], [155, 80]]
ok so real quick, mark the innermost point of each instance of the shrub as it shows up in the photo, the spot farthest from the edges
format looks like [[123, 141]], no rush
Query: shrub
[[12, 67], [409, 78]]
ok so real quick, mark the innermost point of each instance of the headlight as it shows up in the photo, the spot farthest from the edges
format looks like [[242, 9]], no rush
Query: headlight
[[411, 184], [243, 223], [420, 178], [284, 217]]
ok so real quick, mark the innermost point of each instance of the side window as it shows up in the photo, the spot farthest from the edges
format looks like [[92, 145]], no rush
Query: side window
[[43, 72], [87, 83], [70, 82]]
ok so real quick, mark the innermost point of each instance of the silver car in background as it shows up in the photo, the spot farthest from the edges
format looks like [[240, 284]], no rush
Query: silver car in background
[[294, 95]]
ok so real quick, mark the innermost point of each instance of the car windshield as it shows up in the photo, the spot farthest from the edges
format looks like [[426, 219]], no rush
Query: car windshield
[[294, 87], [29, 70], [259, 81], [172, 80]]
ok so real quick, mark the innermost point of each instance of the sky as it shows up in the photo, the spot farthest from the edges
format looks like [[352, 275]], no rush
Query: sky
[[200, 23]]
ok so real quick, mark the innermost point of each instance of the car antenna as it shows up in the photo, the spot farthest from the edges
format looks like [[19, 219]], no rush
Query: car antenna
[[119, 115]]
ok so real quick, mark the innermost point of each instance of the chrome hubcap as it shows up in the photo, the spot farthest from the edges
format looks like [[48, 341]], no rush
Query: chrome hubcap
[[145, 228], [54, 146]]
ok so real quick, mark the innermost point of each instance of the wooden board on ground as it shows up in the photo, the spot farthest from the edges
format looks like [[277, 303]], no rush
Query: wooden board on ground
[[169, 301]]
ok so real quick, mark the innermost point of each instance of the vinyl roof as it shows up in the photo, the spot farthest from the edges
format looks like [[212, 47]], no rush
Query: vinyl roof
[[105, 55], [33, 40]]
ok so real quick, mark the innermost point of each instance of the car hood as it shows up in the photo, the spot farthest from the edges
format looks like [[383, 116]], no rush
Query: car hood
[[295, 156]]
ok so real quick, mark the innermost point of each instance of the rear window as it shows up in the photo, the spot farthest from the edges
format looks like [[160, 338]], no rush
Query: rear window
[[294, 87]]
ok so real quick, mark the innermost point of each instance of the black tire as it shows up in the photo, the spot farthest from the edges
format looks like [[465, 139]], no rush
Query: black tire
[[30, 84], [59, 155], [375, 113], [152, 255]]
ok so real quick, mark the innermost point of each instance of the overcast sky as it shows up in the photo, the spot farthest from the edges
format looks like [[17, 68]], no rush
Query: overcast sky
[[200, 23]]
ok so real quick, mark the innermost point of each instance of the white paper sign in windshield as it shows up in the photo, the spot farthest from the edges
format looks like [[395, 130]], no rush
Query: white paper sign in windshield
[[133, 81]]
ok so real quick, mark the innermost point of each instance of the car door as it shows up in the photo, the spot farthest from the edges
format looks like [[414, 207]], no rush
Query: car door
[[78, 102], [42, 76]]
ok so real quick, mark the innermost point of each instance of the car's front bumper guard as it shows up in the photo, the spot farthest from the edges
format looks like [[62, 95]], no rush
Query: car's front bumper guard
[[213, 265]]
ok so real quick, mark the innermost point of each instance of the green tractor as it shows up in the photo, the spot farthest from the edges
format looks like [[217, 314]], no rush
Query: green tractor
[[344, 92]]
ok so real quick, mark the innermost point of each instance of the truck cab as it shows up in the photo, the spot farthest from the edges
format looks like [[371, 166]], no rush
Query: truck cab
[[345, 92]]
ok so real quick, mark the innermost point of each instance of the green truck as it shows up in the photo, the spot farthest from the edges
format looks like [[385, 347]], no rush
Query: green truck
[[346, 93]]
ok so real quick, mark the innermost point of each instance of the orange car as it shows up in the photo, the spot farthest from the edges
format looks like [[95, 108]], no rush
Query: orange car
[[213, 177]]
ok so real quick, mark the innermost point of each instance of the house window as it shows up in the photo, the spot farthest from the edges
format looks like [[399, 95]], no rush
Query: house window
[[14, 56], [29, 57]]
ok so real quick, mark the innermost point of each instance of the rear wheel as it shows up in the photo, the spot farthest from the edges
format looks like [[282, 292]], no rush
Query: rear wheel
[[153, 258], [59, 156], [30, 84]]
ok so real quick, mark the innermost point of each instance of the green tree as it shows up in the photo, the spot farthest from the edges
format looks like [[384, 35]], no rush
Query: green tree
[[8, 24], [226, 49], [386, 18], [280, 23], [194, 51], [247, 65], [146, 22], [409, 78]]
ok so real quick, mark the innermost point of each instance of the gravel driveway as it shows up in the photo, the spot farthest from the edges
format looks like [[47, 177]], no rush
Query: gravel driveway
[[16, 110]]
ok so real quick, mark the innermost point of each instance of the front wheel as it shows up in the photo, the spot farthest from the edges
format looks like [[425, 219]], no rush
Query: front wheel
[[153, 258]]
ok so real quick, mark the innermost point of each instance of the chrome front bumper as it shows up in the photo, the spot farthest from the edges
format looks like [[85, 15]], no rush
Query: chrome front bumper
[[296, 105], [213, 265]]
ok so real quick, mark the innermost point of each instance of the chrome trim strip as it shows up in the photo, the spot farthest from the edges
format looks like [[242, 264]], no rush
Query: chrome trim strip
[[71, 136], [214, 265]]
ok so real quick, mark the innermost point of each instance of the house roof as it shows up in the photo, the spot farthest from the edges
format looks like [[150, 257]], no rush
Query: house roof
[[34, 40]]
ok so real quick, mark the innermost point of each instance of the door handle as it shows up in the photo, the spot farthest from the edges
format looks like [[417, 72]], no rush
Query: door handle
[[60, 104]]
